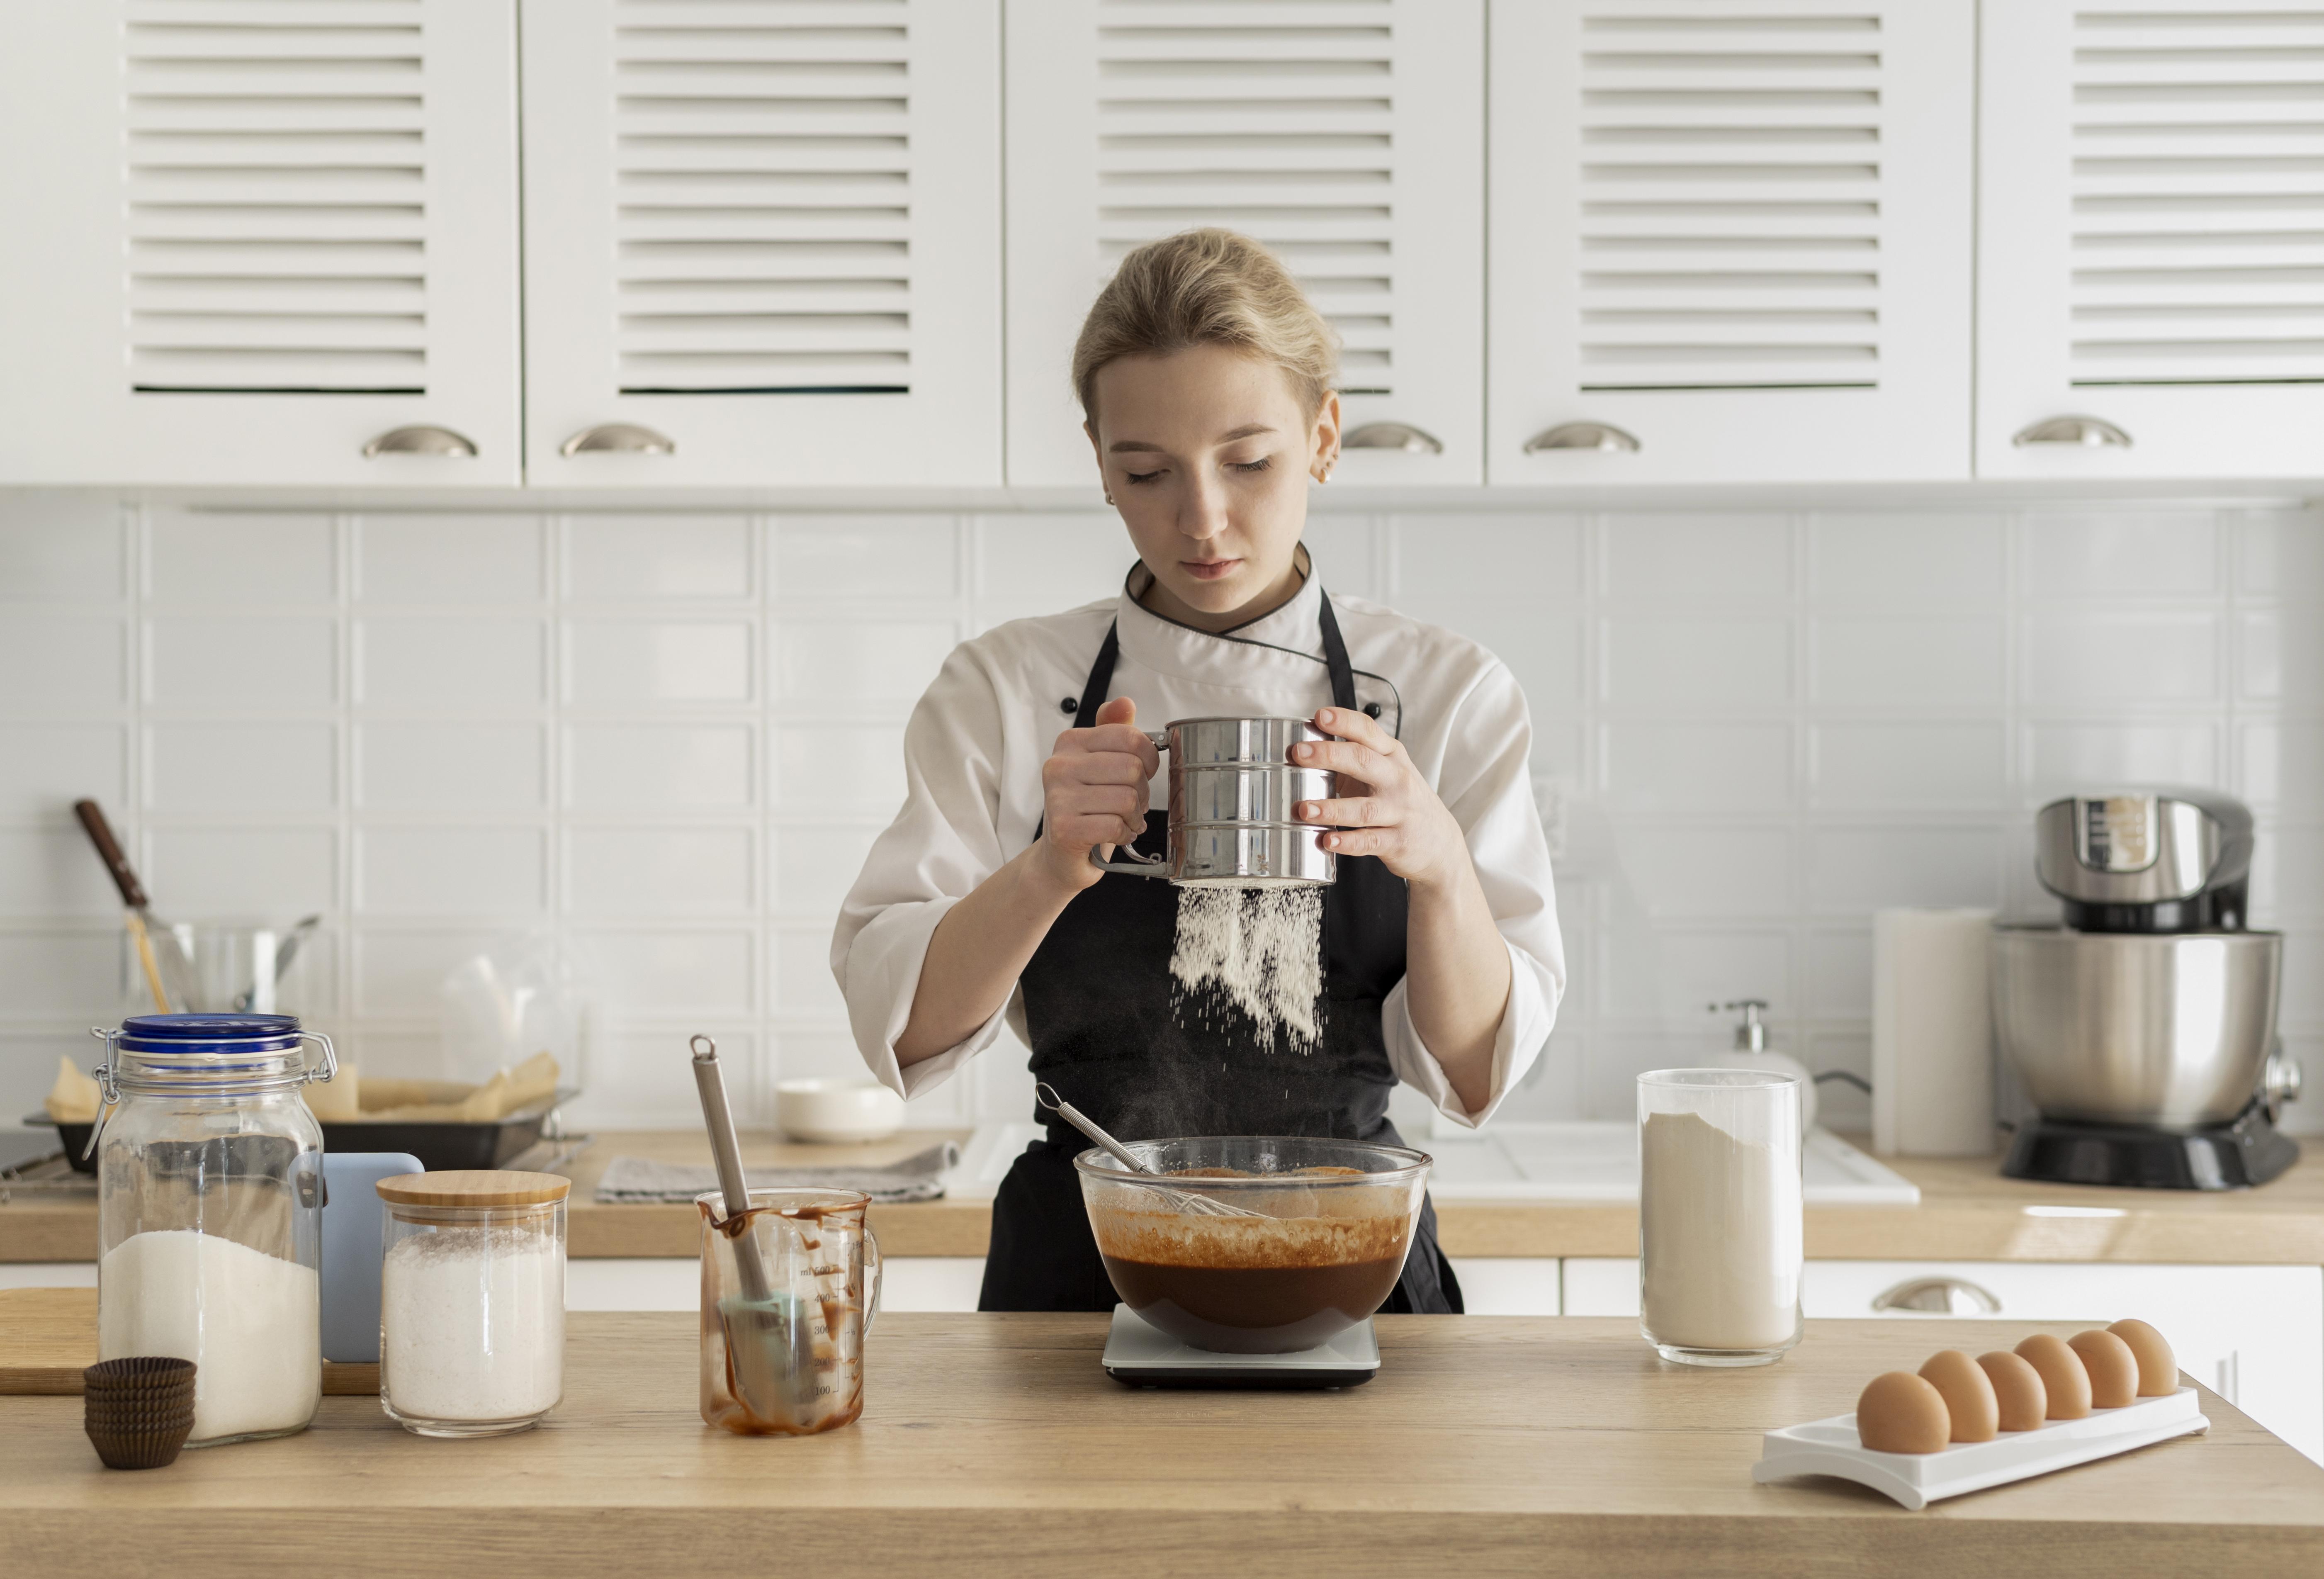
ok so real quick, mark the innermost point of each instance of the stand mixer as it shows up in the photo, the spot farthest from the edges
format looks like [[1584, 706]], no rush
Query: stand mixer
[[2144, 1026]]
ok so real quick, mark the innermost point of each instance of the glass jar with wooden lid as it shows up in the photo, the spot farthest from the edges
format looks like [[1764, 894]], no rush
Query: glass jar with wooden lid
[[472, 1300]]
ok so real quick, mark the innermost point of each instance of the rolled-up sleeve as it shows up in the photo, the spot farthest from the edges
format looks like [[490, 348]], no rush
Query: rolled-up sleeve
[[1487, 783], [945, 841]]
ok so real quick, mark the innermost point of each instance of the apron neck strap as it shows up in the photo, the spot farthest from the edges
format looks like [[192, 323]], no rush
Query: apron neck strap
[[1335, 661]]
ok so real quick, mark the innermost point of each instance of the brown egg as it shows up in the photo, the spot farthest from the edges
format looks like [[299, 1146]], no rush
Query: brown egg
[[2112, 1367], [1900, 1413], [1969, 1395], [2017, 1390], [2063, 1378], [2158, 1367]]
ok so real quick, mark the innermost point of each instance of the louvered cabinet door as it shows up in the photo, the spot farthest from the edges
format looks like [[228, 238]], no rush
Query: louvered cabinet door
[[762, 242], [1730, 240], [2151, 240], [1346, 135], [245, 241]]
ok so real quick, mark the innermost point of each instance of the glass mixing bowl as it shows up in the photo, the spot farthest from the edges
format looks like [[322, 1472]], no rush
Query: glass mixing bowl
[[1334, 1221]]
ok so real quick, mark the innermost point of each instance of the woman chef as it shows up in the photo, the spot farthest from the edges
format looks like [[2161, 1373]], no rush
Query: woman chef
[[1206, 379]]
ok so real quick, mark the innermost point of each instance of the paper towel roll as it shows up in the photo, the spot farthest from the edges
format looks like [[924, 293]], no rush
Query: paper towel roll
[[1932, 1033]]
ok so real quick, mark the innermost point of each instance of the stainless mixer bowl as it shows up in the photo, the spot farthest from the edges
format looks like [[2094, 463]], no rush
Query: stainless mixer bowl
[[2137, 1029]]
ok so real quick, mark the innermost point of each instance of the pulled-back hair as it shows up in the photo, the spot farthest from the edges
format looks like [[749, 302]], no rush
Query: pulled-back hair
[[1207, 288]]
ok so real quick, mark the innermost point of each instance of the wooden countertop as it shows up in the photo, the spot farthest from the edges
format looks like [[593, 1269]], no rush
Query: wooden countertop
[[1967, 1211], [996, 1445]]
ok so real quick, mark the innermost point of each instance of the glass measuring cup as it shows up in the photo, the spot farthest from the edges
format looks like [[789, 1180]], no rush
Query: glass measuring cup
[[790, 1364]]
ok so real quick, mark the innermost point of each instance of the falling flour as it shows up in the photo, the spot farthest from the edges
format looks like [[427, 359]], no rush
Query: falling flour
[[1259, 949]]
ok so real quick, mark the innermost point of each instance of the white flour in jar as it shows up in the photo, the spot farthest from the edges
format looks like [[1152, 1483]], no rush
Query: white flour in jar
[[251, 1323], [472, 1325], [1719, 1220], [1259, 950]]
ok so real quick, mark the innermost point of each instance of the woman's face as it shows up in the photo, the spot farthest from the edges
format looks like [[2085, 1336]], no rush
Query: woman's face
[[1208, 454]]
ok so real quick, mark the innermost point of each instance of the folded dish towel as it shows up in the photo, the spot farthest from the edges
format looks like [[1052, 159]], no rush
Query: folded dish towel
[[633, 1180]]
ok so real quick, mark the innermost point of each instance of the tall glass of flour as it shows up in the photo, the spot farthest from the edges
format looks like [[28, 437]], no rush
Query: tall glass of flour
[[209, 1214], [1719, 1239]]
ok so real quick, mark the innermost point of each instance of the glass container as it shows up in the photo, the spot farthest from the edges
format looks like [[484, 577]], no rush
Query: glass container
[[1287, 1242], [789, 1289], [210, 1212], [1720, 1228], [472, 1300]]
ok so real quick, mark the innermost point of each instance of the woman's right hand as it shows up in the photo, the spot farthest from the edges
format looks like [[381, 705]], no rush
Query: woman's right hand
[[1094, 792]]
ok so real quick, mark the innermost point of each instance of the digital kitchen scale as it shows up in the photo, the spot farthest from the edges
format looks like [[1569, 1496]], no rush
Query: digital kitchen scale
[[1140, 1355]]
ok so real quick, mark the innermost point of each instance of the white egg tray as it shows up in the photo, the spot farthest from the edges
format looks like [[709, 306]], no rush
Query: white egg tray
[[1830, 1447]]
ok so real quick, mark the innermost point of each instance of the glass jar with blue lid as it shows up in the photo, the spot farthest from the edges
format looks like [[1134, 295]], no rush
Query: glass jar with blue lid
[[209, 1223]]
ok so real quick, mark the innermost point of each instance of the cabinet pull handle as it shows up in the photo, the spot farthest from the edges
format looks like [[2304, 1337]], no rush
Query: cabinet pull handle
[[1938, 1296], [2090, 432], [1401, 435], [419, 440], [618, 439], [1602, 436]]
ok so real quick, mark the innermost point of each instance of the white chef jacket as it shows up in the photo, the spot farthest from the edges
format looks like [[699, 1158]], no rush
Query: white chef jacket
[[972, 756]]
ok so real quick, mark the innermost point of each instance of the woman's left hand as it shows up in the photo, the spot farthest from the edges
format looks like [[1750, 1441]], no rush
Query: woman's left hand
[[1385, 809]]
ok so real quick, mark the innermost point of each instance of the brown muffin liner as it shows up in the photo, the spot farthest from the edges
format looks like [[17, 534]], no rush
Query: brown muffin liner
[[138, 1410]]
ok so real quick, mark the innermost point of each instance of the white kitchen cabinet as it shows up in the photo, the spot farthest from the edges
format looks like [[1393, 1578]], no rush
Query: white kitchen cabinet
[[2150, 259], [762, 242], [1347, 135], [1730, 241], [246, 242], [2252, 1334]]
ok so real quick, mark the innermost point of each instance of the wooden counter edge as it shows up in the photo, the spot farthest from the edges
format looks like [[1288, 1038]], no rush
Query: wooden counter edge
[[972, 1543]]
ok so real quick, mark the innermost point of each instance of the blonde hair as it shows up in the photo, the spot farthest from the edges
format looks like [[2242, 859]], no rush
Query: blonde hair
[[1207, 288]]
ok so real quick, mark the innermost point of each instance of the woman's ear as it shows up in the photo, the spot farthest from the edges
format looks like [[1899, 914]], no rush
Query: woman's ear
[[1325, 438]]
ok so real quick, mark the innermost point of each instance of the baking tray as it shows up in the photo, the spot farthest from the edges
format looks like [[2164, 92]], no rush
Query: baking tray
[[437, 1146]]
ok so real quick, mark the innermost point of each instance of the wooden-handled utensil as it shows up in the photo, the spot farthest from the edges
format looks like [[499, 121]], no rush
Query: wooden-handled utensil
[[168, 974]]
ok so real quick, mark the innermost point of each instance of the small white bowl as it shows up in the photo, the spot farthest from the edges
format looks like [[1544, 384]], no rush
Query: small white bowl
[[836, 1111]]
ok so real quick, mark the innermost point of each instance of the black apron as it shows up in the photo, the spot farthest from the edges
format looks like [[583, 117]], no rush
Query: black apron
[[1098, 1012]]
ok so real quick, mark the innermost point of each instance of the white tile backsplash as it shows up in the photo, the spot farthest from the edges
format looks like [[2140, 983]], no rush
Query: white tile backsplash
[[68, 666], [629, 558], [407, 765], [2059, 756], [192, 766], [638, 662], [2151, 554], [1723, 561], [448, 559], [204, 557], [461, 663], [1698, 663], [44, 768], [254, 662], [1905, 662], [254, 873], [1928, 562], [1931, 762], [875, 559], [61, 547], [660, 872], [637, 767], [451, 871], [832, 664], [2095, 661], [1698, 766], [669, 737]]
